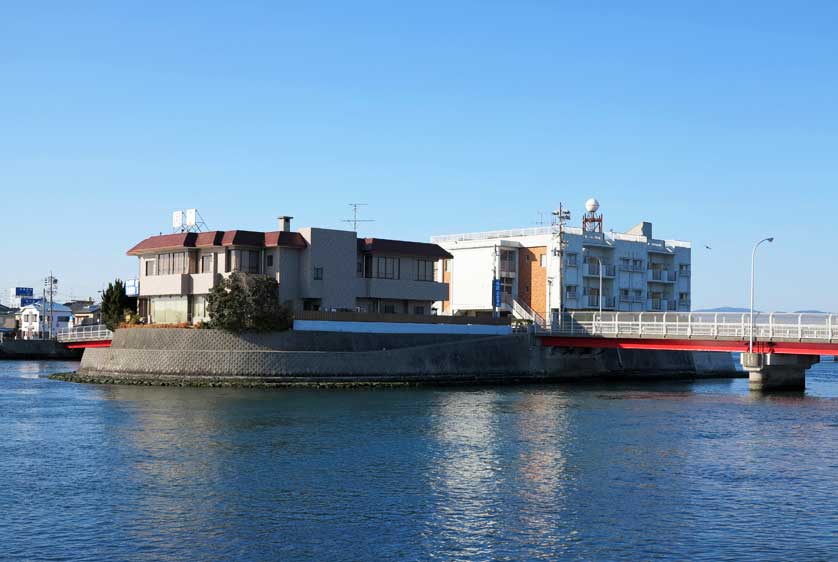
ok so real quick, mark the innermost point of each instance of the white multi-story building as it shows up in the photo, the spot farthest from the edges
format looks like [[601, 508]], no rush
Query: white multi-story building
[[636, 272], [34, 321]]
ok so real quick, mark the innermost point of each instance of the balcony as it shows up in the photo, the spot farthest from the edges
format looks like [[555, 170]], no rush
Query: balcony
[[592, 301], [684, 272], [403, 289], [661, 305], [662, 276], [632, 267], [158, 285], [632, 298], [592, 270]]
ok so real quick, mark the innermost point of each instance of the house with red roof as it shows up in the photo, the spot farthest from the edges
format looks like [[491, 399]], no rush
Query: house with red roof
[[316, 269]]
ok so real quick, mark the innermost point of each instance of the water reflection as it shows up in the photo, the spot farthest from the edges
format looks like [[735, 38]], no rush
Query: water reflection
[[679, 471]]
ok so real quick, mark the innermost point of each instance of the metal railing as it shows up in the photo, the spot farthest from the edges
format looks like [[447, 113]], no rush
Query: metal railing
[[523, 311], [608, 270], [662, 275], [93, 332], [699, 325]]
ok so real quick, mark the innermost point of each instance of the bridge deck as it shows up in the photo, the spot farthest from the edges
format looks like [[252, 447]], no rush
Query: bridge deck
[[803, 334]]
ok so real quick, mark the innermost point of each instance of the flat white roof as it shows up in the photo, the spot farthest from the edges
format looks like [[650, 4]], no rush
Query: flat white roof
[[549, 231]]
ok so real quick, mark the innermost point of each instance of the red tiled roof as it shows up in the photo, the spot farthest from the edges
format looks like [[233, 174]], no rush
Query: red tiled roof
[[219, 238], [402, 247], [285, 239]]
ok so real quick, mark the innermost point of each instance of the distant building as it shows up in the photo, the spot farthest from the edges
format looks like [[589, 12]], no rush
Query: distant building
[[85, 312], [8, 322], [33, 322], [316, 268], [639, 272]]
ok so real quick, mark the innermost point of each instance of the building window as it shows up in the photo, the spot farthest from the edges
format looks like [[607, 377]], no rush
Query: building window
[[150, 267], [543, 260], [425, 270], [269, 260], [638, 264], [251, 258], [571, 291], [389, 309], [367, 266], [388, 268], [172, 264], [446, 265], [420, 310], [317, 275], [206, 263], [683, 296], [506, 285], [570, 260]]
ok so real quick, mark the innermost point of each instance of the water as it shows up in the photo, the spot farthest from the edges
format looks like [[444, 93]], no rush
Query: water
[[684, 471]]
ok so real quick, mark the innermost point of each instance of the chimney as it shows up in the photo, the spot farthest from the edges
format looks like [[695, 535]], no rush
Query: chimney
[[285, 223]]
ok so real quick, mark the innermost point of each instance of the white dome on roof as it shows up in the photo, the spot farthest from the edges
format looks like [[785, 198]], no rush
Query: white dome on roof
[[592, 205]]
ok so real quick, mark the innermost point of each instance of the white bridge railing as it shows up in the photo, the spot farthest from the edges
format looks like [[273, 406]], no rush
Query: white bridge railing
[[698, 325], [93, 332]]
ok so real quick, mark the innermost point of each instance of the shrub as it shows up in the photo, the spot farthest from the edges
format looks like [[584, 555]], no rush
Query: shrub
[[115, 305], [240, 303]]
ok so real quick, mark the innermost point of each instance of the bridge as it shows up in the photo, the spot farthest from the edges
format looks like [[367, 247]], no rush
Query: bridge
[[784, 345], [81, 337]]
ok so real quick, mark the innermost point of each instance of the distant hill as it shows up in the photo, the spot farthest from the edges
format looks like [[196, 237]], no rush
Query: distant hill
[[735, 309]]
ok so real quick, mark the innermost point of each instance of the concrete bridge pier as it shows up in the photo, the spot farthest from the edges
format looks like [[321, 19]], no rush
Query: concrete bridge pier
[[772, 371]]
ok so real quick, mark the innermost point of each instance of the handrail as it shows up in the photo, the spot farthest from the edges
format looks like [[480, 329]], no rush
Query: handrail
[[92, 332], [522, 309], [698, 325]]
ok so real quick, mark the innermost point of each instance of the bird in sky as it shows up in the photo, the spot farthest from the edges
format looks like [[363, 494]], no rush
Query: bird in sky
[[708, 247]]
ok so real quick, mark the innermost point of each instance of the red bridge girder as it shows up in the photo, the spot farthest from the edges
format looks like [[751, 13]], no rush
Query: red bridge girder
[[779, 347], [85, 345]]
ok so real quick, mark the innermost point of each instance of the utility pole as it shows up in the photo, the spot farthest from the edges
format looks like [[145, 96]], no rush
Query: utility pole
[[355, 220], [560, 217], [49, 290], [495, 281]]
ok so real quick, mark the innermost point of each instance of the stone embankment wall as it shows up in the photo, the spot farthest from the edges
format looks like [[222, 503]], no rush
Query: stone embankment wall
[[172, 356], [37, 349]]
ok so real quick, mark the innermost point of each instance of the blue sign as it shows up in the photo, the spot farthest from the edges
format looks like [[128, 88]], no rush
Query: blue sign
[[132, 288], [497, 293], [23, 292], [26, 301]]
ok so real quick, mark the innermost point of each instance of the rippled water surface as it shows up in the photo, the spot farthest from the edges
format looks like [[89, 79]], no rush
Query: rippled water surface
[[687, 471]]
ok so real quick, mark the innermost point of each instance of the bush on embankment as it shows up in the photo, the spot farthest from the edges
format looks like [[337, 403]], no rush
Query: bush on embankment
[[248, 303]]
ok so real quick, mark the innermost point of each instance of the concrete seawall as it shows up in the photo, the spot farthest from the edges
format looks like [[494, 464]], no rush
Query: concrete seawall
[[209, 357], [37, 349]]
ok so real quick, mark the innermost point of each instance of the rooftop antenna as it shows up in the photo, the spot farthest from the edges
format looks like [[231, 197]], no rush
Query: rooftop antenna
[[540, 221], [591, 221], [355, 220], [189, 220]]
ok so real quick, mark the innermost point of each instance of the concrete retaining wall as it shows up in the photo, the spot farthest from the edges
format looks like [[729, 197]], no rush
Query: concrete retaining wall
[[177, 356], [36, 349]]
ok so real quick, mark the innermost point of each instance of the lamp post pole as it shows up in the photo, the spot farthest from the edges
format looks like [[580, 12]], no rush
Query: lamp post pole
[[753, 274]]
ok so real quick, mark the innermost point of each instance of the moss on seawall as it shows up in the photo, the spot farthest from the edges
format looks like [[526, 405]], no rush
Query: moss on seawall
[[201, 381]]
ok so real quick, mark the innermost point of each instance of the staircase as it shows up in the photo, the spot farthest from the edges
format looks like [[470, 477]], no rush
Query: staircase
[[523, 311]]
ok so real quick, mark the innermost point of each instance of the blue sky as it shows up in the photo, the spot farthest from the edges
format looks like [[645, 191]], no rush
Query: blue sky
[[716, 121]]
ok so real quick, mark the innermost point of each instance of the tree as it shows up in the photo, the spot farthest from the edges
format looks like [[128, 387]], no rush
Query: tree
[[241, 302], [115, 305]]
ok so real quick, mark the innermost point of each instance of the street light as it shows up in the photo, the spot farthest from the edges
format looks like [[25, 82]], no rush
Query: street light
[[585, 250], [753, 263]]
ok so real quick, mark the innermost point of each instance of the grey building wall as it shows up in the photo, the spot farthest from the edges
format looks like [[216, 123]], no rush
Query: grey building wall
[[334, 251]]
